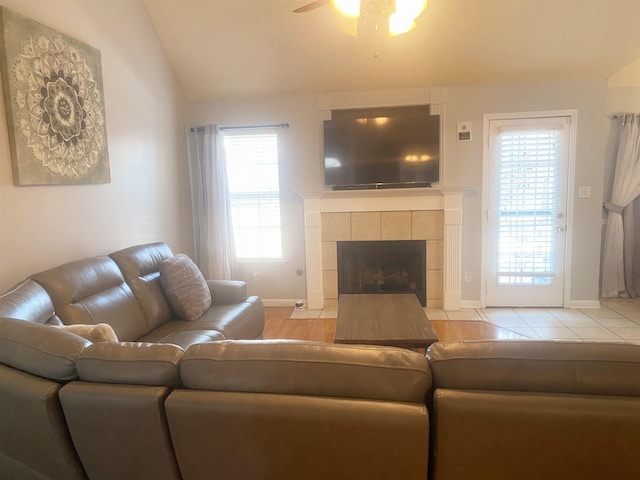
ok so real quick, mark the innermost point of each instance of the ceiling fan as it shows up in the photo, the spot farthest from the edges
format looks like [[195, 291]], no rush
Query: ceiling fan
[[392, 16], [311, 6]]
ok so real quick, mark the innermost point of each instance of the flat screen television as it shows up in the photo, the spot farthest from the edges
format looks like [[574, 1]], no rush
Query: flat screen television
[[382, 152]]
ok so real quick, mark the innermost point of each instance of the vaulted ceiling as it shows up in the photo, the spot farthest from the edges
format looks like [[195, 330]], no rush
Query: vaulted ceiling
[[231, 48]]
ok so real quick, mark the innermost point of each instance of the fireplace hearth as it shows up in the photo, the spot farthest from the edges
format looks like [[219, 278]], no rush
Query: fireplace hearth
[[383, 266]]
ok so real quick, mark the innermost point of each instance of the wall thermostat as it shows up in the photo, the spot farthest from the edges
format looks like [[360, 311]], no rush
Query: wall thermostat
[[464, 131]]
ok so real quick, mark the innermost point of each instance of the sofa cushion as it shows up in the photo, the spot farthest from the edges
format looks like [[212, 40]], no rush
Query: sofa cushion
[[186, 288], [173, 332], [133, 363], [241, 321], [140, 266], [102, 332], [40, 349], [28, 301], [307, 368]]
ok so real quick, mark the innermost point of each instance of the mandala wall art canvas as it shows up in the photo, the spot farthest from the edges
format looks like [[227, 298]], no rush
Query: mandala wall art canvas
[[54, 103]]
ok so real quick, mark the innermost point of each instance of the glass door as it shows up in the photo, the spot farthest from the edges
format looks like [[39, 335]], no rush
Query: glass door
[[527, 207]]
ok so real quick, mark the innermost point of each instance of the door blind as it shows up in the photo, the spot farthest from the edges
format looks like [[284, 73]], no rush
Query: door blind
[[527, 192]]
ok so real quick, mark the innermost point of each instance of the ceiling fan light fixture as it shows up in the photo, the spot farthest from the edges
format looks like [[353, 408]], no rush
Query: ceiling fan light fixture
[[403, 20], [410, 8], [347, 8], [399, 25], [400, 15]]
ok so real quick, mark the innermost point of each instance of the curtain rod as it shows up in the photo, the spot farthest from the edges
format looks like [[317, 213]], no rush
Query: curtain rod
[[243, 127], [616, 116], [249, 127]]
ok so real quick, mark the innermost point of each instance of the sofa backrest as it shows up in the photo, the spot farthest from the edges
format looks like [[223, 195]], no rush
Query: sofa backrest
[[131, 363], [140, 266], [28, 301], [534, 409], [91, 291], [285, 409], [35, 361], [537, 366], [130, 381], [307, 368]]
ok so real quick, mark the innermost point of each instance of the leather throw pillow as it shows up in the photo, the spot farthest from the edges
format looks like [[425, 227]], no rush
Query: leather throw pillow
[[185, 287]]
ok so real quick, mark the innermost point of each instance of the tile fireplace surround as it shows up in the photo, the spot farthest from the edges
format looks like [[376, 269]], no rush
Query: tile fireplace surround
[[404, 214]]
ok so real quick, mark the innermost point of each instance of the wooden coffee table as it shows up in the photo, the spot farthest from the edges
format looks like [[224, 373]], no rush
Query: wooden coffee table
[[396, 320]]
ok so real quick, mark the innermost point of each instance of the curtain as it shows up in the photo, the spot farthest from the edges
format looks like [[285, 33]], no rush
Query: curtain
[[616, 266], [212, 230]]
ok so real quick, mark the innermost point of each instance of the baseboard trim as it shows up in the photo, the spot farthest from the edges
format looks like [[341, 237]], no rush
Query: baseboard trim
[[583, 304], [278, 302], [471, 304], [290, 302], [586, 304]]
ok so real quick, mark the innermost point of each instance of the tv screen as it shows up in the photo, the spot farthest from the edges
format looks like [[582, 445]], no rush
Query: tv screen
[[382, 152]]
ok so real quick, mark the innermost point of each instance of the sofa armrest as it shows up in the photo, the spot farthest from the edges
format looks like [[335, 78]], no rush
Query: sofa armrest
[[41, 350], [227, 291]]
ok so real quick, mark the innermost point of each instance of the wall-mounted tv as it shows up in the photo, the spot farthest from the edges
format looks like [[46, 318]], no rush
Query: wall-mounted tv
[[394, 150]]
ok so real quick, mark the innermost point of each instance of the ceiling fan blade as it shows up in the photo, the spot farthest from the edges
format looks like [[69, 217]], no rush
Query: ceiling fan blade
[[311, 6]]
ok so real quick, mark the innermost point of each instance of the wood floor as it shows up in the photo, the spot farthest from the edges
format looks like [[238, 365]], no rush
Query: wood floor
[[279, 325]]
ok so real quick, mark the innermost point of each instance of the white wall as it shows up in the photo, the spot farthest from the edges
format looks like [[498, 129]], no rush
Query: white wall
[[623, 99], [464, 161], [629, 76], [300, 171], [147, 199], [302, 167]]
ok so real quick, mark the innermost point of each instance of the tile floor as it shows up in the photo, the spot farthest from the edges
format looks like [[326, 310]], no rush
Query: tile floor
[[617, 320]]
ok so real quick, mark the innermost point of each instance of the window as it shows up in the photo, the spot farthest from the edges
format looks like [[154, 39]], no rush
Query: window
[[254, 193], [528, 183]]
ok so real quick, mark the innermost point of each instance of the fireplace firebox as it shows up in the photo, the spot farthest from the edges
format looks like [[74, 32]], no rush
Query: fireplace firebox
[[385, 266]]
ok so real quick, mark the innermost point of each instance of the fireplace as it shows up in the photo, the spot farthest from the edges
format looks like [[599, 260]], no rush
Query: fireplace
[[384, 215], [385, 266]]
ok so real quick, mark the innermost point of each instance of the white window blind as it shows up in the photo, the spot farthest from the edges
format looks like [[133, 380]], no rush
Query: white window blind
[[254, 192], [528, 182]]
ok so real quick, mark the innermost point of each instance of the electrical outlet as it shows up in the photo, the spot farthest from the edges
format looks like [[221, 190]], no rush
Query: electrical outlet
[[256, 275], [467, 277]]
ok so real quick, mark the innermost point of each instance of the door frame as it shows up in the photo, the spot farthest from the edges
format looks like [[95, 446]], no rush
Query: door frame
[[573, 128]]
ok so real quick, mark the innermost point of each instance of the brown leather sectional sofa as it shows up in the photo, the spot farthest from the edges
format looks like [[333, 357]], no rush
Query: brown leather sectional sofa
[[194, 404], [231, 409], [124, 290]]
